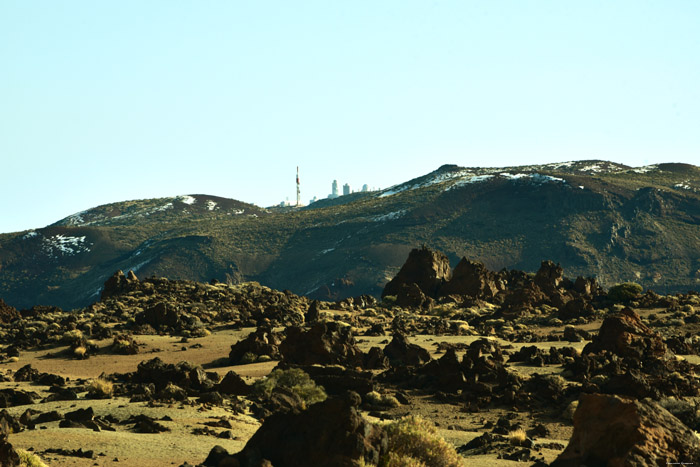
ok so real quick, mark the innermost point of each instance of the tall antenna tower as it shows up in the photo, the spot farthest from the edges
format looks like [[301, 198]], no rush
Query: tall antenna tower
[[298, 192]]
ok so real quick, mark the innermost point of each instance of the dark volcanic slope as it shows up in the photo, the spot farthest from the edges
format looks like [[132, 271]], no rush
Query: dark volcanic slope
[[596, 218]]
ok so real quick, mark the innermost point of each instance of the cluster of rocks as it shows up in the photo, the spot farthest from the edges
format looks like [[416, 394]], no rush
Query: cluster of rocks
[[426, 277], [155, 380], [150, 306], [628, 358]]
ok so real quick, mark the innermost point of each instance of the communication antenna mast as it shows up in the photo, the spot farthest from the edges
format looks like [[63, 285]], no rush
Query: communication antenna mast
[[298, 192]]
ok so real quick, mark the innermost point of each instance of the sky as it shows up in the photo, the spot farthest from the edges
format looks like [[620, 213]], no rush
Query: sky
[[116, 100]]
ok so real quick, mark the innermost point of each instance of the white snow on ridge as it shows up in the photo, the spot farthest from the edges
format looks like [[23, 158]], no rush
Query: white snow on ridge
[[469, 181], [29, 235], [645, 169], [64, 245], [211, 205], [187, 199], [432, 181], [389, 216], [76, 219]]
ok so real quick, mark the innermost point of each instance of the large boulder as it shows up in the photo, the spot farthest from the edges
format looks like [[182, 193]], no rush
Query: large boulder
[[612, 431], [8, 455], [472, 279], [325, 344], [119, 284], [331, 432], [427, 268], [625, 334], [401, 352], [8, 313], [549, 277], [262, 341]]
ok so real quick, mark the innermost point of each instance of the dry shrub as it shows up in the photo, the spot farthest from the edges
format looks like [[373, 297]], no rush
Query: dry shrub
[[72, 337], [28, 459], [517, 437], [80, 351], [415, 442], [100, 389]]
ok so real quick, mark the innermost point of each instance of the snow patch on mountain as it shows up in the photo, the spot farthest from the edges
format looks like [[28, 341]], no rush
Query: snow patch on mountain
[[389, 216], [187, 199], [469, 181], [64, 245], [211, 205]]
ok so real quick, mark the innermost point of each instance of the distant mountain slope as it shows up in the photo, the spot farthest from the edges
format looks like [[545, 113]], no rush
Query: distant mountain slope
[[594, 217]]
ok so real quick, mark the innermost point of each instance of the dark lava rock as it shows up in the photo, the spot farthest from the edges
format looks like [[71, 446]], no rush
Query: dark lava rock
[[26, 373], [328, 433], [411, 296], [625, 334], [8, 313], [8, 455], [336, 379], [426, 268], [401, 352], [89, 454], [609, 430], [80, 415], [325, 343], [233, 384], [183, 374], [13, 397], [263, 341], [119, 284], [472, 279]]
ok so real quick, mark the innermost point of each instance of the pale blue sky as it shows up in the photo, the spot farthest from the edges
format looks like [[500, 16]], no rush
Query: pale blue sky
[[106, 101]]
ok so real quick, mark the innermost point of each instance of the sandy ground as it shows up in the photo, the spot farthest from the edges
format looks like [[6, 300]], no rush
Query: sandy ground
[[126, 448]]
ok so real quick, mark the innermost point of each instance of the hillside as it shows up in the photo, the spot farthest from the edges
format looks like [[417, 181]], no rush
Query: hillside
[[596, 218]]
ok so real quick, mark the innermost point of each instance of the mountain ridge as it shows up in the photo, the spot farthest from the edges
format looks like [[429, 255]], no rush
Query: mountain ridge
[[596, 218]]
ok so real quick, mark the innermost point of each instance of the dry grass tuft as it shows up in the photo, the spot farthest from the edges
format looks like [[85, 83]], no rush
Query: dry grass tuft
[[517, 437], [28, 459], [100, 388]]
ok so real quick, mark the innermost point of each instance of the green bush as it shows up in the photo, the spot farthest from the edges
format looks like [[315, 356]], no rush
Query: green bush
[[415, 442], [625, 292], [293, 379]]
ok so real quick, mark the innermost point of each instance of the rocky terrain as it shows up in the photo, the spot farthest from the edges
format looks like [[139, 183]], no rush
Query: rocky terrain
[[458, 365], [595, 218]]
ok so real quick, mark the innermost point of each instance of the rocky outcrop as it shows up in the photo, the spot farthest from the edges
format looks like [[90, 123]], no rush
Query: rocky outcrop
[[8, 455], [426, 268], [625, 334], [610, 430], [325, 343], [7, 312], [401, 352], [119, 284], [328, 433], [263, 341], [472, 279]]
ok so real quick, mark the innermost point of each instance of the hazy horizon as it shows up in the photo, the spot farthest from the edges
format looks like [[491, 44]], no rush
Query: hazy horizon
[[106, 102]]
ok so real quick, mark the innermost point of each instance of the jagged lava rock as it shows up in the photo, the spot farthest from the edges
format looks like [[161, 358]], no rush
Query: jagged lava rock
[[401, 352], [7, 312], [617, 432], [329, 433], [262, 341], [119, 284], [471, 278], [427, 268], [626, 335], [326, 343]]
